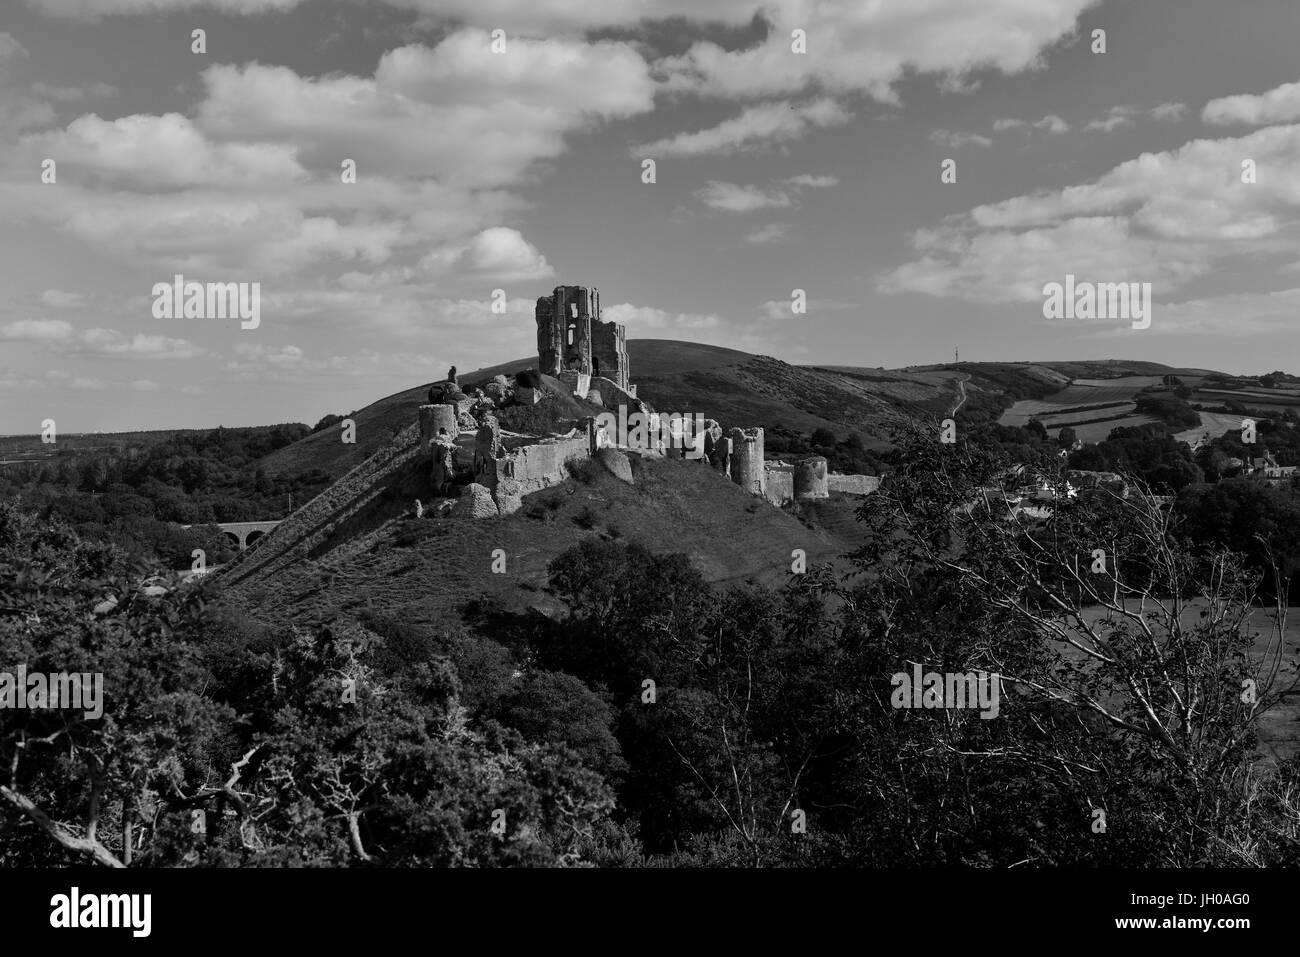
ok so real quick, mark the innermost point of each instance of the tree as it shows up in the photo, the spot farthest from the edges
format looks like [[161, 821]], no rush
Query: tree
[[1149, 652]]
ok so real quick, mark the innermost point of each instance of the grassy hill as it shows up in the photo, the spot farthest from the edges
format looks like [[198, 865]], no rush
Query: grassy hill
[[427, 569], [736, 388]]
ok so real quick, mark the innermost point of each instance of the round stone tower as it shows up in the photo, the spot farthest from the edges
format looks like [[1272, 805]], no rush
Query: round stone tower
[[810, 478], [436, 419], [747, 460]]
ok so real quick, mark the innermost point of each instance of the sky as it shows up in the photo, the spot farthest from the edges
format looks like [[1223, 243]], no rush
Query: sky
[[500, 149]]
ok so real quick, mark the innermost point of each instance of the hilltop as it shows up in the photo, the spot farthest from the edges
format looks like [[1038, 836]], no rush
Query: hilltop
[[742, 389], [734, 387], [375, 555]]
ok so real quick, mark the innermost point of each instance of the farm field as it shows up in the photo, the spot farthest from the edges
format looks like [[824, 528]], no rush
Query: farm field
[[1099, 431], [1110, 400], [1275, 400], [1216, 423]]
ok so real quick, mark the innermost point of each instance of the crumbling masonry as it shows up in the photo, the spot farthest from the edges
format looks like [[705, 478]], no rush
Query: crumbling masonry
[[589, 356], [572, 338]]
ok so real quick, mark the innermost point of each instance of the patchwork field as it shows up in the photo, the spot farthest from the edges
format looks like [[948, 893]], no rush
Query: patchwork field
[[1092, 407]]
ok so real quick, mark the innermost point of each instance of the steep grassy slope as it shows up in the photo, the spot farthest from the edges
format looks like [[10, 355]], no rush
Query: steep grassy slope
[[427, 569]]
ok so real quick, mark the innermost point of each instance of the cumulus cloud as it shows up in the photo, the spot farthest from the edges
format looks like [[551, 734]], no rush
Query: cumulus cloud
[[640, 319], [96, 9], [455, 111], [955, 141], [58, 299], [74, 94], [10, 48], [755, 127], [1278, 105], [36, 330], [1122, 117], [151, 152], [771, 233], [809, 181], [1168, 112], [1116, 118], [733, 198], [499, 253], [867, 47], [112, 344], [1051, 123], [250, 185], [1162, 218]]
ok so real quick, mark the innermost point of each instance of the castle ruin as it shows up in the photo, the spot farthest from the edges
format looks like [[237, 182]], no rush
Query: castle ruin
[[589, 357], [573, 341]]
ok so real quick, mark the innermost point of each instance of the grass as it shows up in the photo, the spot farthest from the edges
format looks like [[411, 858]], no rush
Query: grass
[[428, 569]]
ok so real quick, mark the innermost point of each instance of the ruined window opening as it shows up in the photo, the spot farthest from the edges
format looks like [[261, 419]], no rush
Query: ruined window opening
[[571, 328]]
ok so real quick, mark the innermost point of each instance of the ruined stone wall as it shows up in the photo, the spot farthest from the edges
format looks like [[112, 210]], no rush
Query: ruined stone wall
[[548, 337], [612, 395], [779, 483], [747, 460], [810, 478], [577, 382], [574, 307], [573, 312], [294, 539], [536, 466], [852, 484], [609, 352]]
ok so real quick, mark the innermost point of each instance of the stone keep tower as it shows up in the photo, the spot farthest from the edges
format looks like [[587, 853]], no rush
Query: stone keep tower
[[571, 337]]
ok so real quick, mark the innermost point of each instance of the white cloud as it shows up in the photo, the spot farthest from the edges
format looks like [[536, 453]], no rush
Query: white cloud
[[111, 344], [153, 152], [1168, 112], [1162, 218], [1278, 105], [248, 186], [809, 181], [867, 47], [954, 140], [1117, 117], [10, 48], [58, 299], [1052, 124], [36, 330], [74, 94], [456, 111], [499, 253], [733, 198], [755, 127], [639, 319], [95, 9], [771, 233]]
